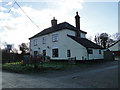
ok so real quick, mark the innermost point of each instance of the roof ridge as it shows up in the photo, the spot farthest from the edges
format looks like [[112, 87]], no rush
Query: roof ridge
[[114, 43], [60, 26]]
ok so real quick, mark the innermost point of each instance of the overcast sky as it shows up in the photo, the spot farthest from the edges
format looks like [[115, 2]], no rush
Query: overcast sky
[[96, 17]]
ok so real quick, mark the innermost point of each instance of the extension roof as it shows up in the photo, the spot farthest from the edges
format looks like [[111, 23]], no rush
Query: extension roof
[[114, 43], [85, 42], [55, 28]]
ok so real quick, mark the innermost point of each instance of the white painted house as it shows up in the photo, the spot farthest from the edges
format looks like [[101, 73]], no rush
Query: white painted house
[[115, 48], [62, 41]]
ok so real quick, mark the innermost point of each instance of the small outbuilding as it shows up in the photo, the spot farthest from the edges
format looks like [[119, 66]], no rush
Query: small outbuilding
[[115, 48]]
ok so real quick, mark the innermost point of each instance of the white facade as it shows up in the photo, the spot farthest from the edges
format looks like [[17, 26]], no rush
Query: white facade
[[83, 35], [63, 44], [115, 47], [96, 54], [119, 45]]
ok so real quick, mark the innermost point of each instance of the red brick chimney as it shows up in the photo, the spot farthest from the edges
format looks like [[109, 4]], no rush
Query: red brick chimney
[[53, 21], [77, 22]]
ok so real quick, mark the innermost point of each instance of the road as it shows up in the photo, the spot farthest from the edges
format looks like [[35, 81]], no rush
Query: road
[[103, 75]]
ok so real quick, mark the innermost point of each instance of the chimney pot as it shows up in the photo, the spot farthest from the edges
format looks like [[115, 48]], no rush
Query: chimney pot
[[77, 21], [77, 13], [53, 21]]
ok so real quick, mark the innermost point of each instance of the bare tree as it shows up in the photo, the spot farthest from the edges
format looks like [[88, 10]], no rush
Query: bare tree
[[116, 36], [14, 50], [24, 48], [97, 39], [104, 40]]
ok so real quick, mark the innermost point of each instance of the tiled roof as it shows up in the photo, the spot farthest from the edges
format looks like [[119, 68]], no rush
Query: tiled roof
[[114, 43], [55, 28], [85, 42]]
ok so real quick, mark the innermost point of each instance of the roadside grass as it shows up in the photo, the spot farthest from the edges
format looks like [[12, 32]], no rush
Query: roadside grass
[[17, 67]]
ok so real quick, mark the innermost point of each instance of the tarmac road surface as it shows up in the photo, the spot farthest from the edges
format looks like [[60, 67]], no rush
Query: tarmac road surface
[[103, 75]]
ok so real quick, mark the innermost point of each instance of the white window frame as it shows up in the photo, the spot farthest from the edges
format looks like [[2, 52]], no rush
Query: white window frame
[[44, 49], [35, 42], [68, 53], [119, 45], [45, 52], [90, 51], [100, 51], [55, 37], [44, 40], [52, 51]]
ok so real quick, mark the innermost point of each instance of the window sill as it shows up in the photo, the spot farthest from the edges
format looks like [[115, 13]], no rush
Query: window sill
[[54, 41]]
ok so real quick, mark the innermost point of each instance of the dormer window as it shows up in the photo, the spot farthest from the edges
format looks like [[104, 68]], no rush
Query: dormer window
[[83, 35], [44, 40], [55, 37], [35, 42]]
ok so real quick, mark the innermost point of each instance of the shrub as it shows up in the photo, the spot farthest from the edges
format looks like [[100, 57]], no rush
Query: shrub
[[17, 67]]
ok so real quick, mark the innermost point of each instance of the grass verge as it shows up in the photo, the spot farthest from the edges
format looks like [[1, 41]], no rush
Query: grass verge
[[17, 67]]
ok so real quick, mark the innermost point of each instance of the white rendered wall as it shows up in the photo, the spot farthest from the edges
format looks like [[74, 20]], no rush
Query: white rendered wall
[[60, 44], [96, 54], [77, 50], [115, 47], [83, 35], [64, 43], [119, 45]]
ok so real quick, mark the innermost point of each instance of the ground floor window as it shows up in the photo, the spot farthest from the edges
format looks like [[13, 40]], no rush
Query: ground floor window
[[68, 53], [44, 52], [90, 51], [99, 51], [55, 52]]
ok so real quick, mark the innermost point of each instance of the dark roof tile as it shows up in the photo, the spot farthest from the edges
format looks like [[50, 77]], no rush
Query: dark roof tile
[[55, 28], [85, 42], [114, 43]]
